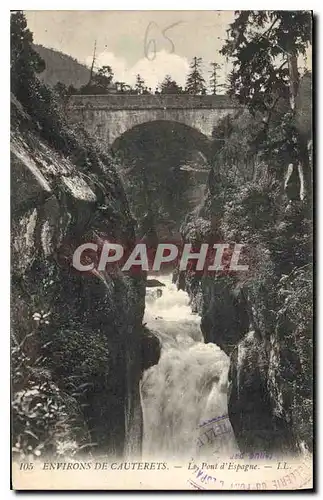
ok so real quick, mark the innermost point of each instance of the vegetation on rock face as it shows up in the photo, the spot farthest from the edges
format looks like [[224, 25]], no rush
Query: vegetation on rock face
[[294, 327], [38, 100], [45, 420], [277, 229], [259, 194]]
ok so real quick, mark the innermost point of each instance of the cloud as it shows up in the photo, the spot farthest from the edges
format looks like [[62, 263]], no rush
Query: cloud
[[152, 71], [117, 64], [164, 63]]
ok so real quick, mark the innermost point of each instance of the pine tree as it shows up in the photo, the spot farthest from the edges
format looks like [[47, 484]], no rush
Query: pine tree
[[169, 86], [195, 83], [25, 61], [214, 77], [140, 84]]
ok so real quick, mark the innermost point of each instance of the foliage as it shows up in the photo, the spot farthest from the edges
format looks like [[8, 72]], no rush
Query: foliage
[[40, 102], [196, 230], [195, 83], [294, 326], [249, 203], [214, 77], [169, 86], [245, 147], [264, 47], [25, 61], [236, 146], [42, 419], [123, 88], [140, 84], [103, 77], [295, 290], [45, 107], [249, 215], [259, 44], [100, 82], [86, 356], [291, 239], [63, 92]]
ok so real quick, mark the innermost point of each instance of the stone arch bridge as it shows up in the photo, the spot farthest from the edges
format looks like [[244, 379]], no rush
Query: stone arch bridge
[[108, 117]]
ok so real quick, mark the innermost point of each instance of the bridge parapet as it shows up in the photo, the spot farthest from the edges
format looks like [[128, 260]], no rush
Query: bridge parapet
[[148, 101]]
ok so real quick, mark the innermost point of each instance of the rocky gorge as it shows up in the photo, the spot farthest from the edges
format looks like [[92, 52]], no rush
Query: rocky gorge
[[94, 354], [87, 328]]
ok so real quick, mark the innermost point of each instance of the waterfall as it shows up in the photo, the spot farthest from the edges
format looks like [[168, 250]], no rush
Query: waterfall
[[188, 387]]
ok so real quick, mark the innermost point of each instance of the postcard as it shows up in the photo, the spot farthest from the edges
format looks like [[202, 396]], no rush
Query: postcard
[[161, 250]]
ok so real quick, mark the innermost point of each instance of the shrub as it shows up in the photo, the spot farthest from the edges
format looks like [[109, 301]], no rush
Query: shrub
[[42, 415]]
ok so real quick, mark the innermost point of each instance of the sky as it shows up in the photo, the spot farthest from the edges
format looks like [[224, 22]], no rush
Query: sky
[[151, 43]]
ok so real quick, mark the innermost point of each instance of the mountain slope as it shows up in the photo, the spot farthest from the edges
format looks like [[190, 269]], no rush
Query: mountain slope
[[63, 68]]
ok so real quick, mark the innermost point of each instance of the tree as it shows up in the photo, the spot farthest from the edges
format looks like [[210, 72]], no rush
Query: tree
[[147, 90], [100, 82], [213, 78], [169, 86], [63, 93], [93, 64], [61, 89], [39, 101], [121, 87], [140, 84], [103, 78], [264, 47], [25, 61], [195, 83], [72, 90]]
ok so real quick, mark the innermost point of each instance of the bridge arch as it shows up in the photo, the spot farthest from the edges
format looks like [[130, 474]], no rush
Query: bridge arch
[[184, 133], [164, 165]]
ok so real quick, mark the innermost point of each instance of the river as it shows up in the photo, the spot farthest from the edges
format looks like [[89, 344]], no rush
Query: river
[[188, 387]]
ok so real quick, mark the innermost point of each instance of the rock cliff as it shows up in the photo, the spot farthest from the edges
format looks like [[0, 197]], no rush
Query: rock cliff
[[87, 328], [262, 319]]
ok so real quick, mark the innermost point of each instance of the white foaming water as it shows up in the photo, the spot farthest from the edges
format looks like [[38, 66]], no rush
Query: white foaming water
[[188, 386]]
